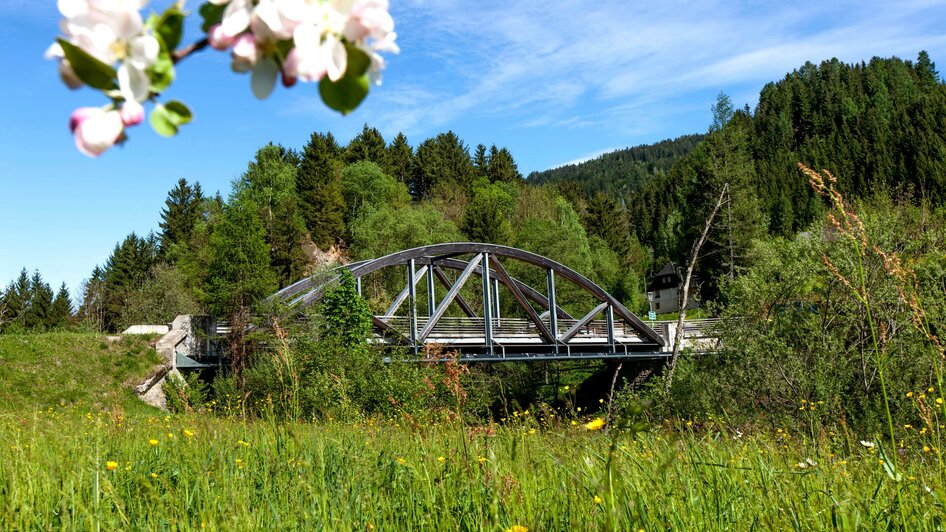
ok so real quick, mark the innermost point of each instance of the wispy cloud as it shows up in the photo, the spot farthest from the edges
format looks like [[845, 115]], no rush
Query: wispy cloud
[[607, 64]]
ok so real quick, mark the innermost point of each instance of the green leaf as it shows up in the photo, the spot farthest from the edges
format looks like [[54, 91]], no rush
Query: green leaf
[[171, 27], [178, 112], [90, 70], [162, 71], [162, 122], [212, 15], [347, 93]]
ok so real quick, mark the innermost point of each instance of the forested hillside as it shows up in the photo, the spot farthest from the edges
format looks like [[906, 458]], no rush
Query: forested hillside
[[879, 126], [622, 172]]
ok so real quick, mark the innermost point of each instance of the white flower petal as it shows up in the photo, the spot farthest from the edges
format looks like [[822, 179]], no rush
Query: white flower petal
[[133, 82], [143, 51], [236, 17], [338, 59], [72, 8], [264, 77], [98, 132]]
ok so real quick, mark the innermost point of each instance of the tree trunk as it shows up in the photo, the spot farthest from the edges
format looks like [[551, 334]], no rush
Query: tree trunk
[[685, 295]]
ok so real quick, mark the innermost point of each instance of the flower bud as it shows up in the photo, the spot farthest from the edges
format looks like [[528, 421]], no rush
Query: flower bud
[[132, 113], [95, 129], [244, 53], [218, 39]]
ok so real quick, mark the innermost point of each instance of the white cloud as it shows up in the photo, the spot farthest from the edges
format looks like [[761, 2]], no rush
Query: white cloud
[[620, 66]]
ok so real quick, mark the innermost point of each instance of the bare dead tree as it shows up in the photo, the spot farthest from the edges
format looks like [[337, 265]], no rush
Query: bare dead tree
[[685, 294]]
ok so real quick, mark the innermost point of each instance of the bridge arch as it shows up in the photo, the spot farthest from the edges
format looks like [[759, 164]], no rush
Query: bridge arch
[[549, 332]]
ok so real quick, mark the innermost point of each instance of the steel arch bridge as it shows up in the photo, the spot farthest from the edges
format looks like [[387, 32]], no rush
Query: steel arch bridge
[[529, 329]]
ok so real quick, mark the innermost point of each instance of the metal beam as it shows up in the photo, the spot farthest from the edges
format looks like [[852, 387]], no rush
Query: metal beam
[[451, 294], [553, 316], [467, 309], [487, 304], [431, 301], [581, 323], [521, 300], [411, 287], [399, 300], [610, 315]]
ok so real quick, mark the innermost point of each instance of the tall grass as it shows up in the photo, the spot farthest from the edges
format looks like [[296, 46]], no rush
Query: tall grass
[[192, 471]]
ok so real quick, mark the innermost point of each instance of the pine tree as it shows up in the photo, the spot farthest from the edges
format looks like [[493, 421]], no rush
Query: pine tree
[[502, 167], [445, 160], [399, 160], [481, 161], [125, 270], [269, 183], [41, 303], [368, 145], [61, 313], [181, 211], [17, 299], [318, 183]]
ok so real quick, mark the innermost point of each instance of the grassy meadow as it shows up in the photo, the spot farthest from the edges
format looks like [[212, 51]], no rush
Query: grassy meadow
[[97, 460]]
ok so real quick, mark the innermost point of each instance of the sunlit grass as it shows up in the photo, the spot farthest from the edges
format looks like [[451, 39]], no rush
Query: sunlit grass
[[66, 468]]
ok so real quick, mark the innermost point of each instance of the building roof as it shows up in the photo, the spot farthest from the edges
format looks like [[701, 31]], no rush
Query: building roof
[[667, 277]]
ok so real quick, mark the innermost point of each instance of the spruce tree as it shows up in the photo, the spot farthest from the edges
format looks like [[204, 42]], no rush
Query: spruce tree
[[181, 211], [61, 312], [399, 159], [368, 145], [38, 314], [502, 167], [269, 183], [318, 184]]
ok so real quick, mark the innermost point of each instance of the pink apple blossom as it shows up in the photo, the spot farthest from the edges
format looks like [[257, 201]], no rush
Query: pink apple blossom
[[95, 129]]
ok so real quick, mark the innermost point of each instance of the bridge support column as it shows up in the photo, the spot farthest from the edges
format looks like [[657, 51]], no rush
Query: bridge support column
[[487, 304], [553, 306], [496, 299], [412, 295], [610, 314], [358, 285], [431, 298]]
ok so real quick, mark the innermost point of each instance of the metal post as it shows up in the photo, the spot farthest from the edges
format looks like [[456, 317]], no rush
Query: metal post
[[496, 299], [412, 295], [358, 285], [553, 308], [487, 304], [611, 327], [431, 298]]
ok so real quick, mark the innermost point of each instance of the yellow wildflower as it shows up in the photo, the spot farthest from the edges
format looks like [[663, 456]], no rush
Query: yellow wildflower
[[566, 387], [154, 475], [930, 389], [152, 442], [401, 460], [482, 459], [441, 459], [111, 466], [531, 431], [939, 400], [189, 434], [598, 500], [909, 394], [926, 448], [595, 424], [517, 528]]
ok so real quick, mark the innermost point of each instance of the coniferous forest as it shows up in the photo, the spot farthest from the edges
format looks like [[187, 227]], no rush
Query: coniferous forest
[[878, 127]]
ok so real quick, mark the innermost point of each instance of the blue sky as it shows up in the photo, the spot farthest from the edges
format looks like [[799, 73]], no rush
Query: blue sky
[[555, 82]]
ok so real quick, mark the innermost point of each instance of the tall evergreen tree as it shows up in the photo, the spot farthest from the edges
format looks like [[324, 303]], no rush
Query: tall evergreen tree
[[180, 213], [17, 299], [368, 145], [125, 270], [38, 314], [502, 167], [481, 161], [445, 160], [61, 311], [318, 183], [269, 183], [399, 160]]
